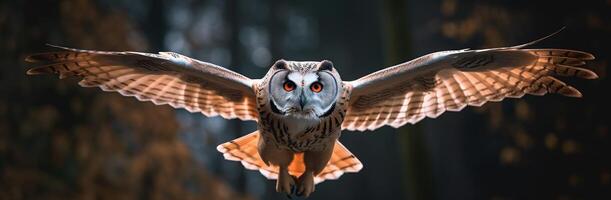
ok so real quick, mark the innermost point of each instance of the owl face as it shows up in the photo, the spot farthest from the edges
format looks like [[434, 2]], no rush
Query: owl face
[[304, 89]]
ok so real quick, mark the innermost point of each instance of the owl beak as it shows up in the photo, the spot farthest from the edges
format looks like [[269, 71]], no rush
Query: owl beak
[[302, 100]]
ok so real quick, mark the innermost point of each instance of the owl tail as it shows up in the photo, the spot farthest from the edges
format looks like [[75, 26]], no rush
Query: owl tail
[[244, 149]]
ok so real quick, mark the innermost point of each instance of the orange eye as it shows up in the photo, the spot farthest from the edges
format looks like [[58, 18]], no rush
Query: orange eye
[[289, 86], [316, 87]]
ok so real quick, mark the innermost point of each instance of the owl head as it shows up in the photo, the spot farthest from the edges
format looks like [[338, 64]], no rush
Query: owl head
[[306, 90]]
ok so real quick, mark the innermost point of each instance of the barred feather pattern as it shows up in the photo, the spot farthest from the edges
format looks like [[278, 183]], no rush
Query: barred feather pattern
[[274, 128], [244, 150], [460, 85], [165, 78]]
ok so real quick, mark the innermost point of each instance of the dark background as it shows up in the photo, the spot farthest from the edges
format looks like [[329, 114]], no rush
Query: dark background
[[59, 141]]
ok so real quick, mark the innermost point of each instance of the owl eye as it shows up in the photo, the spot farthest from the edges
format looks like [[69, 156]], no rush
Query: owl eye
[[316, 87], [289, 86]]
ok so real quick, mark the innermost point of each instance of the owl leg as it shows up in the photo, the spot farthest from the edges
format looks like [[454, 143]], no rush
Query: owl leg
[[315, 162], [285, 181], [281, 158]]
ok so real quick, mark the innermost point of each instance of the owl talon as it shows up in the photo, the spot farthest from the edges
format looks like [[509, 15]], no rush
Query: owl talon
[[285, 182], [306, 184]]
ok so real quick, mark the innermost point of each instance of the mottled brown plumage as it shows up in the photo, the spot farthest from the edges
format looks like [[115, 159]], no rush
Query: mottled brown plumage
[[302, 107], [455, 79]]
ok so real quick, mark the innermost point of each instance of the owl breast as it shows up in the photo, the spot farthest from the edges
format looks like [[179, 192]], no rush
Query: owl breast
[[299, 135]]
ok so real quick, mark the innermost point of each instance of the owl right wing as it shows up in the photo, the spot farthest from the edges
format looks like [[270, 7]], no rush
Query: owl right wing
[[450, 80], [164, 78]]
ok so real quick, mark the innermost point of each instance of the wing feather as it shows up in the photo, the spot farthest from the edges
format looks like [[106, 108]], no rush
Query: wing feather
[[164, 78], [451, 80]]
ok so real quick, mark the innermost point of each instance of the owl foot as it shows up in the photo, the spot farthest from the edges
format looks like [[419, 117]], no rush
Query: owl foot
[[285, 182], [306, 184]]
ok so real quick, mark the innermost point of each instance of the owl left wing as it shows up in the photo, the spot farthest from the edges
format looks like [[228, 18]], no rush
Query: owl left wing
[[450, 80], [164, 78]]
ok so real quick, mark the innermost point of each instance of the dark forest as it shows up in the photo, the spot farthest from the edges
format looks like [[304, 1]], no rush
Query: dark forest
[[61, 141]]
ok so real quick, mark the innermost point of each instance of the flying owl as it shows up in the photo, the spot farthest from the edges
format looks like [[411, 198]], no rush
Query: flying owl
[[301, 108]]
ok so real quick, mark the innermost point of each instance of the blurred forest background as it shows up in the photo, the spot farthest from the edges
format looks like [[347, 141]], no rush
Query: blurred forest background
[[59, 141]]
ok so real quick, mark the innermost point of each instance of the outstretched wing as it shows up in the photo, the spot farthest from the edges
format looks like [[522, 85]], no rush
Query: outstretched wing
[[450, 80], [164, 78]]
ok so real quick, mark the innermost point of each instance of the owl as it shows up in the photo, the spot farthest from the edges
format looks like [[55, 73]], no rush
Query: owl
[[301, 108]]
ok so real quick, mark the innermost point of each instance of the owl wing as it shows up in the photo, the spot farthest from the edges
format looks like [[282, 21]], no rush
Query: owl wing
[[164, 78], [450, 80]]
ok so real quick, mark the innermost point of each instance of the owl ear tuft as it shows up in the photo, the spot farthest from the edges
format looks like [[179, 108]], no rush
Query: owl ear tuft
[[280, 64], [325, 65]]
